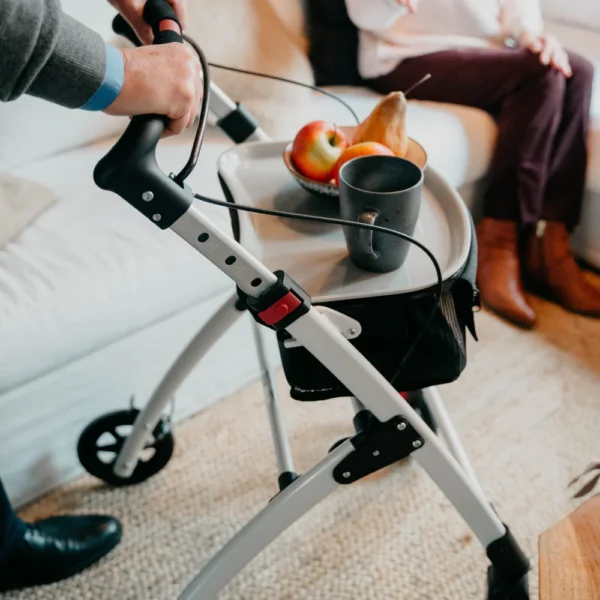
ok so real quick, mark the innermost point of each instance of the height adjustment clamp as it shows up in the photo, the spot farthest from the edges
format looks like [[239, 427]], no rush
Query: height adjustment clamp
[[280, 305]]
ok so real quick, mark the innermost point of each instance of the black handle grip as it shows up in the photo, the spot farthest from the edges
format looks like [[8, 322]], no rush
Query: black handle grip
[[131, 171], [121, 27], [130, 168], [156, 11]]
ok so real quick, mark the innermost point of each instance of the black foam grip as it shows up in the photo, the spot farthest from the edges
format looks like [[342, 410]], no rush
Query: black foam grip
[[156, 11], [166, 37], [123, 28]]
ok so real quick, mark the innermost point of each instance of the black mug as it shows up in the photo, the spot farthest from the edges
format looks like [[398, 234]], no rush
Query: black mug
[[385, 191]]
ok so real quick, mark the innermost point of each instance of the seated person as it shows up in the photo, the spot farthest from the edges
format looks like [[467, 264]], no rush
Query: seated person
[[494, 55]]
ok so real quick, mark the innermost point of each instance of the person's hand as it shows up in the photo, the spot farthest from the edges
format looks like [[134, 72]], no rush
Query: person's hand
[[412, 5], [161, 80], [132, 11], [549, 50]]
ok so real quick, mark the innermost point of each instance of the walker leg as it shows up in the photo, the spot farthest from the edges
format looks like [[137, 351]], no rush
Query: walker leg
[[402, 432], [281, 443], [286, 508], [146, 421], [326, 343], [449, 434]]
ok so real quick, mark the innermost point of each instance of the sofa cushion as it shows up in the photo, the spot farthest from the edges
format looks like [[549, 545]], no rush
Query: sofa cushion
[[585, 13], [333, 43], [91, 270]]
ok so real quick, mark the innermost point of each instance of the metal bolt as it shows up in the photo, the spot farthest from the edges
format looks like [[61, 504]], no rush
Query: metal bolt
[[417, 444], [376, 453], [156, 217], [128, 464], [352, 331], [401, 426], [147, 196], [346, 475], [148, 427]]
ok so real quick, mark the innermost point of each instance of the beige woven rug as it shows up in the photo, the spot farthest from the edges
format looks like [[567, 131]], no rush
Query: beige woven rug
[[528, 408]]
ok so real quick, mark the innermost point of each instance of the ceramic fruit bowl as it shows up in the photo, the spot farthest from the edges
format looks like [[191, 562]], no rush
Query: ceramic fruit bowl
[[416, 154]]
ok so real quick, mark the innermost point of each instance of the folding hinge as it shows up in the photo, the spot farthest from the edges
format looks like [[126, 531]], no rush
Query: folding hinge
[[380, 446]]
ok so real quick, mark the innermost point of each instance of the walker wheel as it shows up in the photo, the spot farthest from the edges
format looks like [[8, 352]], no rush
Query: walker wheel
[[102, 440], [500, 590]]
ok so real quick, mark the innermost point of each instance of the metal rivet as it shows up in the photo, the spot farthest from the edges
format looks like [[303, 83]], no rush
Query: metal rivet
[[148, 427], [352, 331], [129, 464], [156, 217], [417, 444], [346, 475], [147, 196], [376, 453], [401, 426]]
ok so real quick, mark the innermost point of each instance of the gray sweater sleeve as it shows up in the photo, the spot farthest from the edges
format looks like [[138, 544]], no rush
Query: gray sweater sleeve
[[47, 54]]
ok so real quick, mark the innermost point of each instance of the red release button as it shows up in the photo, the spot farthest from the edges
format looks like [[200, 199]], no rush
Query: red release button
[[281, 309]]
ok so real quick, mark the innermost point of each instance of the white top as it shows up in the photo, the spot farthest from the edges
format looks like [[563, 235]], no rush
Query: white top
[[389, 33]]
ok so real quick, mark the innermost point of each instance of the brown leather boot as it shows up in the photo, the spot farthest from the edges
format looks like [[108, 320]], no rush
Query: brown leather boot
[[499, 273], [553, 272]]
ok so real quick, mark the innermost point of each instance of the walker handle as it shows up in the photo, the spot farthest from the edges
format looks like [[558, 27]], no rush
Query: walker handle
[[130, 168]]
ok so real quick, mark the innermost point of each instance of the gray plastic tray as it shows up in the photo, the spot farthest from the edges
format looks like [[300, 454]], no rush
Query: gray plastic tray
[[315, 254]]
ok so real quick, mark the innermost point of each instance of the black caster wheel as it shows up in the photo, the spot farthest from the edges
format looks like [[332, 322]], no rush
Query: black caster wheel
[[418, 402], [500, 590], [102, 440]]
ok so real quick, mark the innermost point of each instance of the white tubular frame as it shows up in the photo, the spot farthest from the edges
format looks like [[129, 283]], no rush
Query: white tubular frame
[[446, 428], [148, 418], [286, 508], [283, 452], [450, 470]]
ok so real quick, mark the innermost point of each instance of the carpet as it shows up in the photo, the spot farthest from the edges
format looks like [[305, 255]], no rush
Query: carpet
[[527, 408]]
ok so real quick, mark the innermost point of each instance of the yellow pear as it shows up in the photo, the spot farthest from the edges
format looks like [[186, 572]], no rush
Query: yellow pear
[[386, 125]]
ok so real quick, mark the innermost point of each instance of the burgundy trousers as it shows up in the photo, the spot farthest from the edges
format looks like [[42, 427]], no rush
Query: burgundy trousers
[[539, 164]]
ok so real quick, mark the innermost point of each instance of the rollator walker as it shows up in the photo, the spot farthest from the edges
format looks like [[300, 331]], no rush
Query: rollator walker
[[340, 331]]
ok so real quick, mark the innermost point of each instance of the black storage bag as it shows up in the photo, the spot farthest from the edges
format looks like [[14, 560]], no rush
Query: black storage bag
[[390, 325]]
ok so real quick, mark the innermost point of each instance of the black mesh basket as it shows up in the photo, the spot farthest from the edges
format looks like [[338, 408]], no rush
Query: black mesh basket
[[390, 325]]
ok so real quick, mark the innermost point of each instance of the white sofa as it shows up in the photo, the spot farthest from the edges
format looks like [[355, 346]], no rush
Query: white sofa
[[95, 302]]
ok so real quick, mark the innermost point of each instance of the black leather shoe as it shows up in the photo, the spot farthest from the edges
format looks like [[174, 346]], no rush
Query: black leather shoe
[[57, 548]]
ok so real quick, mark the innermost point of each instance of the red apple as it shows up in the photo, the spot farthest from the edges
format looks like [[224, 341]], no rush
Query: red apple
[[362, 149], [316, 148]]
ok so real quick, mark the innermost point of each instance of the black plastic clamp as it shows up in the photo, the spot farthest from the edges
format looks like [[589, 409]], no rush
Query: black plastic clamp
[[377, 447], [239, 124], [280, 305]]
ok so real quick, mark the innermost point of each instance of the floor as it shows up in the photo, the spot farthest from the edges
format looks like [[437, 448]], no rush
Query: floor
[[527, 407]]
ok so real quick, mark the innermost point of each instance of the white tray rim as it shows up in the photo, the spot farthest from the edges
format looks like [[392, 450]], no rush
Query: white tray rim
[[434, 182]]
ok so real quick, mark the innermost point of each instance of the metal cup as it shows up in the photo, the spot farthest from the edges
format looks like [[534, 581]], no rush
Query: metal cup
[[385, 191]]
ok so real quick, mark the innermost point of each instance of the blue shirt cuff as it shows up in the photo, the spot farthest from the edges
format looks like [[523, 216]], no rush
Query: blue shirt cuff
[[112, 85]]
